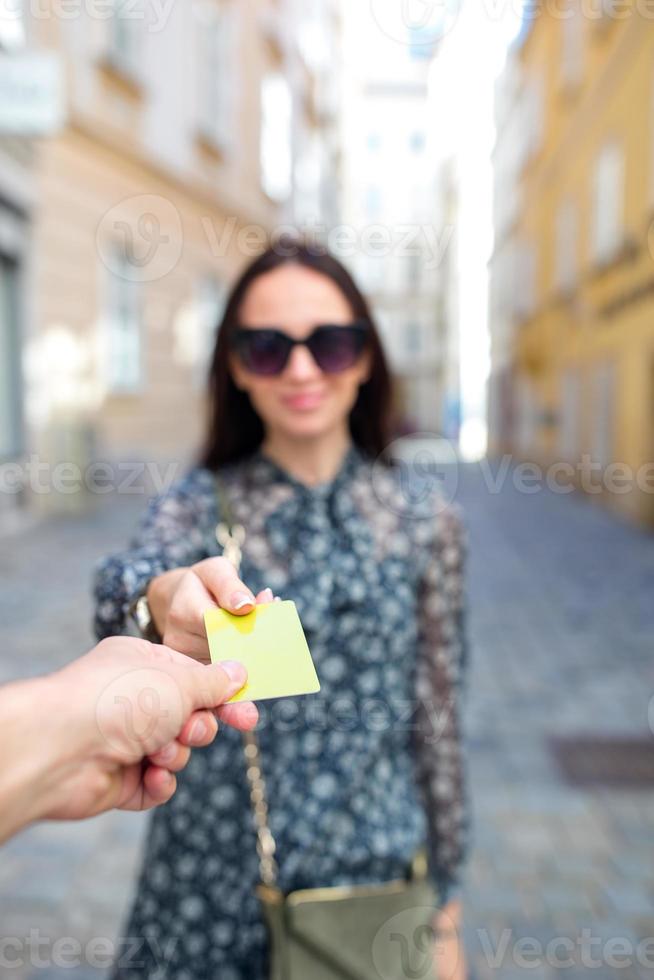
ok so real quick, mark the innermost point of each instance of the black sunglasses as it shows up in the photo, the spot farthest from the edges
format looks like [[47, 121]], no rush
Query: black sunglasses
[[334, 348]]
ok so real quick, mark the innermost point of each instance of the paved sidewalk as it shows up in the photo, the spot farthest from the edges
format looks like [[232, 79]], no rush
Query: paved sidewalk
[[69, 881], [562, 628]]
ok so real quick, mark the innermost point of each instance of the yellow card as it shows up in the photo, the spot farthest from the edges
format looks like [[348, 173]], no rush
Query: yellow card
[[270, 642]]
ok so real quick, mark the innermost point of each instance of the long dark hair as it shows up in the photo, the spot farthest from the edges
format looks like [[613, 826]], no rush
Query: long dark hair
[[235, 429]]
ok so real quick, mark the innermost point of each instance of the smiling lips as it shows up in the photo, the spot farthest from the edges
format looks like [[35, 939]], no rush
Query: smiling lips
[[303, 401]]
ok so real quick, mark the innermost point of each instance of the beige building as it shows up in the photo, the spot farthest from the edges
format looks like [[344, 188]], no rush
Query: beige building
[[191, 131]]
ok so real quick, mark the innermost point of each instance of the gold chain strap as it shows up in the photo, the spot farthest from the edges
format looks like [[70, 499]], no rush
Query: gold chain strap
[[265, 839], [231, 538]]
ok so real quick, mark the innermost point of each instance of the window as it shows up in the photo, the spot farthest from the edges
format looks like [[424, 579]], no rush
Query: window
[[374, 200], [532, 112], [12, 24], [125, 36], [570, 417], [123, 342], [313, 34], [211, 299], [572, 45], [602, 449], [413, 338], [608, 203], [374, 142], [372, 270], [276, 135], [425, 30], [309, 176], [414, 271], [10, 428], [417, 141], [527, 417], [565, 272], [524, 286], [216, 96]]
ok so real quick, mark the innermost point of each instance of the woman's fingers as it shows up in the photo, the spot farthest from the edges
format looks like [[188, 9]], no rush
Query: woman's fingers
[[266, 595], [219, 577]]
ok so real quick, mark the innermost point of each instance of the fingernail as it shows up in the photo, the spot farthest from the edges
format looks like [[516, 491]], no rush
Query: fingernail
[[277, 599], [267, 595], [251, 713], [198, 731], [240, 599], [235, 671]]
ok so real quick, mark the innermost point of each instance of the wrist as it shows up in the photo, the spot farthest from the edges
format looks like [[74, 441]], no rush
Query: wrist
[[159, 593], [39, 744]]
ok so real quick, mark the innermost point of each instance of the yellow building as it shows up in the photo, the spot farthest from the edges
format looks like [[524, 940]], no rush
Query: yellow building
[[190, 132], [572, 272]]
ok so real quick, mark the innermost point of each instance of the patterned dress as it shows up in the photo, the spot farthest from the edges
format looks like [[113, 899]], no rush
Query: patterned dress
[[359, 776]]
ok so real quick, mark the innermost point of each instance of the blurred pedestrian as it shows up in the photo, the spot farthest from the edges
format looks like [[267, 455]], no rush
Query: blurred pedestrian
[[292, 481]]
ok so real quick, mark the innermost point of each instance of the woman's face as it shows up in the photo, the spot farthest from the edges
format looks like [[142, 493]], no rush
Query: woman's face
[[303, 401]]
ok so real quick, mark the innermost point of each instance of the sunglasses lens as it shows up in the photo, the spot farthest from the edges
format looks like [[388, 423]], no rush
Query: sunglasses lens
[[263, 352], [336, 348]]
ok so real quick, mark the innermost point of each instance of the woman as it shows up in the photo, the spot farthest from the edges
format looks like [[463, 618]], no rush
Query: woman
[[354, 784]]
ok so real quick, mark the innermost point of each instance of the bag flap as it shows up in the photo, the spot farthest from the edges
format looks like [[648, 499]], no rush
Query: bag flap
[[363, 937]]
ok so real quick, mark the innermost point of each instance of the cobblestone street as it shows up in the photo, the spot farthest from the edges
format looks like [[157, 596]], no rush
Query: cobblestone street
[[561, 624]]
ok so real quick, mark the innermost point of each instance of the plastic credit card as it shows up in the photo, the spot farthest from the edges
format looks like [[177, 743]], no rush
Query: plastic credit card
[[270, 642]]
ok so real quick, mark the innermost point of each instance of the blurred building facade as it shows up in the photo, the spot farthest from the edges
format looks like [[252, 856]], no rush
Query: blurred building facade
[[572, 271], [395, 204], [191, 132], [16, 204]]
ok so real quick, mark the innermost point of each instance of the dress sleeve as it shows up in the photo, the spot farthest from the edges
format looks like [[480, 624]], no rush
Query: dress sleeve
[[169, 535], [441, 665]]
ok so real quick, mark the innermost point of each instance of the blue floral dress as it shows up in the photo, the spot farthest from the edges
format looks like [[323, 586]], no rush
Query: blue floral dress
[[359, 776]]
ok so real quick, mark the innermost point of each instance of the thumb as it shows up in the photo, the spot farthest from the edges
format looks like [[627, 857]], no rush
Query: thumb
[[210, 686]]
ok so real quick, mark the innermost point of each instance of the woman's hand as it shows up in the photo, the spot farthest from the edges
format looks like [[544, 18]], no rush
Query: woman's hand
[[179, 599]]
